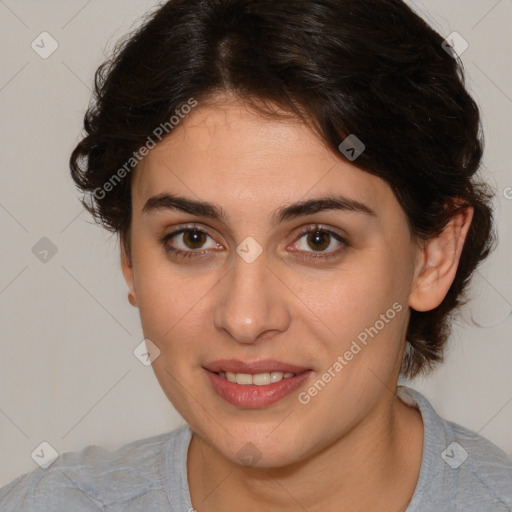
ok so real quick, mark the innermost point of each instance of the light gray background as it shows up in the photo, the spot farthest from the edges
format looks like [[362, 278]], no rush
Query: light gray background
[[68, 375]]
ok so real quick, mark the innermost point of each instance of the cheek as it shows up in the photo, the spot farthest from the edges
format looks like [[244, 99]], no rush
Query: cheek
[[168, 303], [367, 314], [174, 303], [160, 296], [357, 296]]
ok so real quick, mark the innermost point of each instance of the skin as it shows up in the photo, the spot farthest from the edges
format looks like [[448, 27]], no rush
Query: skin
[[355, 445]]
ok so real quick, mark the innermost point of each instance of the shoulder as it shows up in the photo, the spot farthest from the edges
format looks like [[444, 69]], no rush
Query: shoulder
[[485, 469], [95, 477], [459, 466]]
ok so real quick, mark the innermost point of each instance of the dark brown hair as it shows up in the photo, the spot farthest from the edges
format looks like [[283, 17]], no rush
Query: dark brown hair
[[371, 68]]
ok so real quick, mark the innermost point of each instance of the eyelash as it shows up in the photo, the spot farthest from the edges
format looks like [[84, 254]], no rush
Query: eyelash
[[327, 256]]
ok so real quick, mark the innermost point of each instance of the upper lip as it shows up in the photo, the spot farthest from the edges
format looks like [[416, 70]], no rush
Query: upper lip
[[263, 366]]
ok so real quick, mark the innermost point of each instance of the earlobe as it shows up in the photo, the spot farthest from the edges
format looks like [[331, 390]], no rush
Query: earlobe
[[438, 262], [128, 273]]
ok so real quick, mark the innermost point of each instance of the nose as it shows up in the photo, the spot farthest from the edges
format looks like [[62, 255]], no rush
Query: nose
[[251, 304]]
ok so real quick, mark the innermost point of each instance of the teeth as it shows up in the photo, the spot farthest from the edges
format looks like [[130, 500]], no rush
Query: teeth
[[276, 376], [243, 378], [261, 379], [258, 379]]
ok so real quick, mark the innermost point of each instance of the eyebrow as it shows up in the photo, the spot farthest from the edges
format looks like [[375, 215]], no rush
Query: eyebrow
[[213, 211]]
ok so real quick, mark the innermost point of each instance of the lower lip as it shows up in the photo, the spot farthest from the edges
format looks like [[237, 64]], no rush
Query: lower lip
[[253, 396]]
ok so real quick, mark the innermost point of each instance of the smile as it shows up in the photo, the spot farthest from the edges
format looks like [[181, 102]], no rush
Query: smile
[[254, 385], [258, 379]]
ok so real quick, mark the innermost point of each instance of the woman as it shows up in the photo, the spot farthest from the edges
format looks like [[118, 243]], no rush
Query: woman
[[293, 184]]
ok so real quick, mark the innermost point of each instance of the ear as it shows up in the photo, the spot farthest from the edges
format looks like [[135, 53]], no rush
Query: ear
[[437, 262], [128, 273]]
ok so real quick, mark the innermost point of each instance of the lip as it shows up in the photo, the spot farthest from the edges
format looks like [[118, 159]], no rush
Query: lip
[[252, 396], [263, 366]]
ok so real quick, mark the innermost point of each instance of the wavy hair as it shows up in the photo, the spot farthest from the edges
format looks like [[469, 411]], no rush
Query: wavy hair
[[373, 68]]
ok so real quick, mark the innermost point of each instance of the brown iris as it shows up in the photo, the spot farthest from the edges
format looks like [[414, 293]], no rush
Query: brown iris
[[194, 239], [319, 240]]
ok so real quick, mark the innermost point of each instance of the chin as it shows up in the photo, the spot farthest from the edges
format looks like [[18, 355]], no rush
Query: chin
[[258, 446]]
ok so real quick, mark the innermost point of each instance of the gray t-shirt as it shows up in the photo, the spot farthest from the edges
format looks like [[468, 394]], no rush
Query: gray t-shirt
[[460, 471]]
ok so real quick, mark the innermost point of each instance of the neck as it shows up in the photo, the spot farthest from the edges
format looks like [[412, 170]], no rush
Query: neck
[[375, 466]]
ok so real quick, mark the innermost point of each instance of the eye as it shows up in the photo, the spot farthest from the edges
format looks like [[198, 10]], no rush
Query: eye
[[187, 241], [320, 240]]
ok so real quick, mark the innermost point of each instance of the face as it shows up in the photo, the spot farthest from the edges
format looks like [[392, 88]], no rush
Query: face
[[250, 288]]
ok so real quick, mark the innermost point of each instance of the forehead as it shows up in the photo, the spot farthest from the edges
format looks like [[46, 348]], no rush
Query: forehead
[[229, 153]]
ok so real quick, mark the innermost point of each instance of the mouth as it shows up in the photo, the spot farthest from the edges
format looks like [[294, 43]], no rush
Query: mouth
[[254, 385], [258, 379]]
